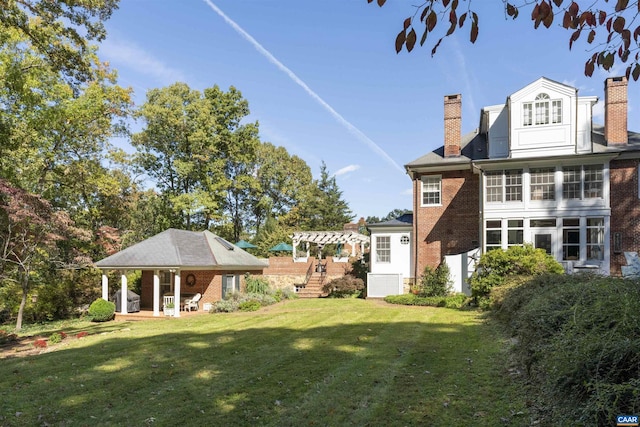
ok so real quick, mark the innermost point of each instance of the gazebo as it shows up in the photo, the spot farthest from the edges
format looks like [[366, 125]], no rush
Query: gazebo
[[210, 264]]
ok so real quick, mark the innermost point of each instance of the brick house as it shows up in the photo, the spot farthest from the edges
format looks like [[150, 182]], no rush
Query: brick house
[[536, 170]]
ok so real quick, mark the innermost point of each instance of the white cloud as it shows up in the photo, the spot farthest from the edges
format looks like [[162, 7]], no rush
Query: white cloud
[[407, 192], [124, 53], [347, 169]]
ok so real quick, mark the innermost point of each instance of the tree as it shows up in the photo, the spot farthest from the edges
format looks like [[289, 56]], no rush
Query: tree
[[58, 31], [180, 149], [324, 209], [30, 233], [612, 27], [283, 181]]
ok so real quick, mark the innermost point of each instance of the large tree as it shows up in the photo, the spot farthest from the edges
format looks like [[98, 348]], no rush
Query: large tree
[[31, 230], [611, 27], [196, 150], [59, 31]]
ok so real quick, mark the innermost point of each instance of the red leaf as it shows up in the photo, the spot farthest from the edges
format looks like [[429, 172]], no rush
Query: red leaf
[[512, 11], [626, 37], [433, 51], [588, 68], [381, 2], [574, 8], [609, 21], [473, 35], [407, 23], [452, 28], [618, 24], [621, 5], [411, 40], [462, 19], [558, 2], [453, 17], [548, 20], [636, 72], [400, 39], [636, 33], [592, 35], [574, 37], [432, 19], [423, 38], [424, 13], [567, 21], [445, 3], [602, 15]]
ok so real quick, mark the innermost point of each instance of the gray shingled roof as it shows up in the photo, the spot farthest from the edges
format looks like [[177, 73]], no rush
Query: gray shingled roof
[[182, 249], [405, 220], [473, 147]]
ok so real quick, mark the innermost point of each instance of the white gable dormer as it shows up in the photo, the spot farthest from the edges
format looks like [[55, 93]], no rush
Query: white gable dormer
[[543, 119]]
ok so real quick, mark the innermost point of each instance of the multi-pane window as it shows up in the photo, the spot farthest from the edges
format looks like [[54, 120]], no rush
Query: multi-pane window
[[404, 239], [542, 112], [556, 111], [513, 185], [571, 238], [504, 186], [582, 182], [527, 113], [543, 184], [515, 232], [383, 249], [494, 186], [593, 182], [431, 190], [542, 109], [595, 238], [493, 234], [571, 183]]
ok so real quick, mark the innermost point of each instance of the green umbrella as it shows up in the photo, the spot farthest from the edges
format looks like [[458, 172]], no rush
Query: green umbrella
[[284, 247], [245, 245]]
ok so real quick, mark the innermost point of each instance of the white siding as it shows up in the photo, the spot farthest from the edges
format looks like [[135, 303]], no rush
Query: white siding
[[400, 262]]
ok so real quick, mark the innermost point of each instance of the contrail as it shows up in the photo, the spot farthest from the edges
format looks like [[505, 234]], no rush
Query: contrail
[[264, 52]]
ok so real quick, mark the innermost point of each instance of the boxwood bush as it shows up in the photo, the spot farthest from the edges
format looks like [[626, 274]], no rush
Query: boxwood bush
[[101, 310], [450, 301]]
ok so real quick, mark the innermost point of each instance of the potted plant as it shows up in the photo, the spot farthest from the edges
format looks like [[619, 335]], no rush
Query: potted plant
[[169, 309]]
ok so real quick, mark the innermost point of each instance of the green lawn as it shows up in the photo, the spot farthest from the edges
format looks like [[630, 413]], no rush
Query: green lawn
[[299, 363]]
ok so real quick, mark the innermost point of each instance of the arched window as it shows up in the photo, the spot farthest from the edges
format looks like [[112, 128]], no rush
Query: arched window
[[542, 112]]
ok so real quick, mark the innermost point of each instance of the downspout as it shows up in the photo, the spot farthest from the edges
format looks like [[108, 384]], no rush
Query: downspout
[[415, 230]]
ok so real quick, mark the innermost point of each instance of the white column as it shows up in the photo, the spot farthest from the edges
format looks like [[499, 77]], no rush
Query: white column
[[176, 292], [123, 293], [294, 250], [156, 292], [105, 287]]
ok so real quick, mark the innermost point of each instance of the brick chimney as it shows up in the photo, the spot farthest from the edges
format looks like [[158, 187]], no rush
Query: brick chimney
[[615, 111], [452, 125]]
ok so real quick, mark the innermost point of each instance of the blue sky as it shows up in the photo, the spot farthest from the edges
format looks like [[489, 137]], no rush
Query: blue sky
[[323, 80]]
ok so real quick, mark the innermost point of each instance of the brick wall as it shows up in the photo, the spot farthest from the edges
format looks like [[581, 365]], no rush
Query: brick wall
[[284, 273], [450, 228], [625, 210]]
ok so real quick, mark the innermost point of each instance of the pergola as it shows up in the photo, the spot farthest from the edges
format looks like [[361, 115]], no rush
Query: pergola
[[322, 238]]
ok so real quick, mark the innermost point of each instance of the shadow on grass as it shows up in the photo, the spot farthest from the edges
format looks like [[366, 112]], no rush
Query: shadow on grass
[[367, 373]]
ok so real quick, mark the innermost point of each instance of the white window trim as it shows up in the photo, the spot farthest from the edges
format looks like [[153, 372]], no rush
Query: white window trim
[[422, 179], [376, 248]]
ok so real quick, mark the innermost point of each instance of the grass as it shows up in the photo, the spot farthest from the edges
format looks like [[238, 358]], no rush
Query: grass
[[302, 362]]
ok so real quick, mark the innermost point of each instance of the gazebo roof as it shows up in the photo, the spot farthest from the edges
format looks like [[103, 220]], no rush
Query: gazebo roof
[[182, 249]]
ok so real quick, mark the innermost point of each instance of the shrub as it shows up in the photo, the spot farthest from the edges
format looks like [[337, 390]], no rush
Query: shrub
[[577, 338], [6, 337], [225, 306], [40, 343], [55, 338], [435, 283], [496, 266], [249, 305], [82, 334], [344, 287], [256, 285], [455, 301], [101, 310]]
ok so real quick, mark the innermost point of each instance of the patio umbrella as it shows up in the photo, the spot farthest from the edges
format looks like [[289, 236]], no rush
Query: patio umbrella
[[243, 244], [281, 247]]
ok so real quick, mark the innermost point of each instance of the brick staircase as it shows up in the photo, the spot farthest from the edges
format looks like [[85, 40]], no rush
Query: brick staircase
[[313, 288]]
